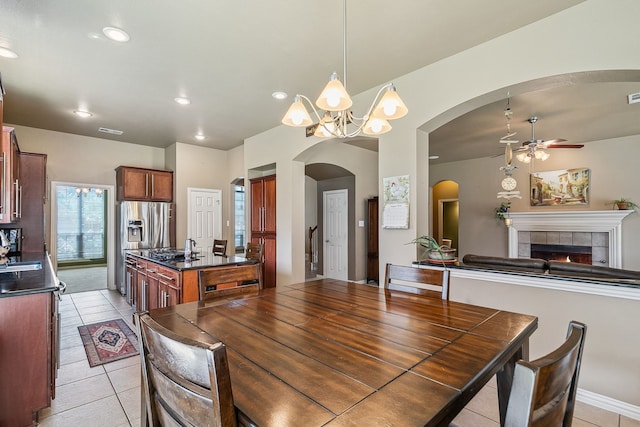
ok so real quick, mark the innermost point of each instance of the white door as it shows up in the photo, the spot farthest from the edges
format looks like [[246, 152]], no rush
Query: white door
[[205, 218], [335, 247]]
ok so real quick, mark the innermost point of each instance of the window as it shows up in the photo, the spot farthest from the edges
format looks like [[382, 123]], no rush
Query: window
[[81, 229], [239, 234]]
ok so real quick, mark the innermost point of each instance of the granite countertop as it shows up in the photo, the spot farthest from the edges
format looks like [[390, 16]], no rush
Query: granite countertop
[[14, 283], [199, 261]]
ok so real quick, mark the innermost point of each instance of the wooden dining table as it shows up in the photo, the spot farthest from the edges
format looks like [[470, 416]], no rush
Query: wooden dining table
[[335, 353]]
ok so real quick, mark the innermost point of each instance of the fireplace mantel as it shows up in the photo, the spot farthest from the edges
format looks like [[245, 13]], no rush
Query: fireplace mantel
[[588, 221]]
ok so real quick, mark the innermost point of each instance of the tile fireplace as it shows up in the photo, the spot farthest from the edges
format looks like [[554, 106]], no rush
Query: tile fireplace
[[589, 237]]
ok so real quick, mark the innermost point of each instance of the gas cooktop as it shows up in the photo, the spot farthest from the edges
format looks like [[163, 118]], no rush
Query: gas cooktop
[[166, 254]]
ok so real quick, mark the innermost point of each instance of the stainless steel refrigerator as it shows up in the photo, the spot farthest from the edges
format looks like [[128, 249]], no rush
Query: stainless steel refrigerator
[[141, 225]]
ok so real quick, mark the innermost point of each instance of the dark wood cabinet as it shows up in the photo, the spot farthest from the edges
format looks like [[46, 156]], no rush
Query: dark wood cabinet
[[144, 184], [263, 224], [27, 356], [33, 176], [373, 268], [10, 190], [154, 286]]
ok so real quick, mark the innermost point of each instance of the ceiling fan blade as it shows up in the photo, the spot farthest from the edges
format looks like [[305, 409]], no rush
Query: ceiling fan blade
[[553, 141], [566, 146]]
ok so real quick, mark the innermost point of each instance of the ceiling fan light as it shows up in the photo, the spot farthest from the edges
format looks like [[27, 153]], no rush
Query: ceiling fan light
[[541, 155], [376, 126], [334, 96], [297, 115], [390, 106], [523, 157]]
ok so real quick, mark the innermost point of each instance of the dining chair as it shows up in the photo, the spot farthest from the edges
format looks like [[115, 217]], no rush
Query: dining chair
[[229, 282], [254, 251], [185, 382], [544, 390], [220, 247], [417, 280]]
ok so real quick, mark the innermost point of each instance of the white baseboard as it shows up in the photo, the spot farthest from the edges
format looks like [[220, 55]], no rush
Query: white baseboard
[[609, 404]]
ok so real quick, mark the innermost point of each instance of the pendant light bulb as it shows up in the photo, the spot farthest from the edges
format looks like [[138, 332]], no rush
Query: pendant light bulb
[[297, 115], [334, 96], [376, 126], [390, 106]]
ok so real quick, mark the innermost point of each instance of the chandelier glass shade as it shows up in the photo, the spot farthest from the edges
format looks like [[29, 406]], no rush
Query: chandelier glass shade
[[337, 119]]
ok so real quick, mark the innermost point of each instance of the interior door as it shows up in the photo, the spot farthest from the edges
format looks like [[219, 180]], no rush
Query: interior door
[[205, 218], [335, 227]]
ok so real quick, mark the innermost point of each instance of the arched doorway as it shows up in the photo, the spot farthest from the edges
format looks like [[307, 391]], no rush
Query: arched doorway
[[445, 213]]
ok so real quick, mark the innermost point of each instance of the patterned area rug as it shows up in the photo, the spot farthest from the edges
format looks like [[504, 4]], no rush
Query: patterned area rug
[[108, 341]]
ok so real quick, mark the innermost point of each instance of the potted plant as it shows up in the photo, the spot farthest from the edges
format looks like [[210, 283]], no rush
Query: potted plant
[[433, 250], [503, 210], [624, 204]]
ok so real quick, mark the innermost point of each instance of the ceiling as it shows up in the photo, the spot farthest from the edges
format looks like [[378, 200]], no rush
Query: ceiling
[[581, 108], [228, 58]]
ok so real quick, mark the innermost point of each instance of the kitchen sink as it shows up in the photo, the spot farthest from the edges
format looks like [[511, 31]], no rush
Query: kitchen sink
[[20, 266]]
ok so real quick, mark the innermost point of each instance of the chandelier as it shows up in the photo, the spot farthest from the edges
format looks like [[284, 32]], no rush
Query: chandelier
[[337, 119]]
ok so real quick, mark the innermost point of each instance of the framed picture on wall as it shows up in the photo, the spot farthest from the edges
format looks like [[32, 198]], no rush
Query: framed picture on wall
[[560, 187]]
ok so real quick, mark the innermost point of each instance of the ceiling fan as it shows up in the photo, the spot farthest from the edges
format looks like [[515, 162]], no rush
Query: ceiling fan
[[534, 148]]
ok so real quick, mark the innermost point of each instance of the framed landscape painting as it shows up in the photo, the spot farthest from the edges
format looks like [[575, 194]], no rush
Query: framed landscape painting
[[561, 187]]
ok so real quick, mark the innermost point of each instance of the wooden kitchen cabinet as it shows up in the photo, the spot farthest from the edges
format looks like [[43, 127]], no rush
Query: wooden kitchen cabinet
[[263, 205], [10, 190], [33, 178], [144, 184], [28, 356], [169, 287], [263, 224], [153, 285]]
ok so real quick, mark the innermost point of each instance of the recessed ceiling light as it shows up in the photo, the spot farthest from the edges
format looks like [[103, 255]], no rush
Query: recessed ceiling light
[[200, 137], [116, 34], [182, 101], [279, 95], [8, 53], [434, 157], [82, 113]]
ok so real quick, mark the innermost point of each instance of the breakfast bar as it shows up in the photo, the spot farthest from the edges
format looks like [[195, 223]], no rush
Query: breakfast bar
[[330, 352]]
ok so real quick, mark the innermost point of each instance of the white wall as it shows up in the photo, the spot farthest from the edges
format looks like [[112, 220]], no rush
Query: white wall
[[200, 167]]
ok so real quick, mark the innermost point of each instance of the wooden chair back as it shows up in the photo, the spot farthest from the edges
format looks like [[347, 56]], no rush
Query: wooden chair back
[[254, 251], [220, 247], [544, 390], [185, 382], [229, 282], [405, 279]]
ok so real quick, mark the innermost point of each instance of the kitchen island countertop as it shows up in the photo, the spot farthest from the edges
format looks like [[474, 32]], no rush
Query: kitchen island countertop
[[198, 262]]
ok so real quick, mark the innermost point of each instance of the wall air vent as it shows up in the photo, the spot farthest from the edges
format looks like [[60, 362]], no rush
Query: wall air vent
[[634, 98], [110, 131]]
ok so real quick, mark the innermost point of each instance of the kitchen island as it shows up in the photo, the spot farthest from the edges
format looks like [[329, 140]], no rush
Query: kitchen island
[[29, 337], [162, 278]]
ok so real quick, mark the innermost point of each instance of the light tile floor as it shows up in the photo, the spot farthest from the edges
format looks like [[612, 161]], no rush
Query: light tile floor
[[109, 395]]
